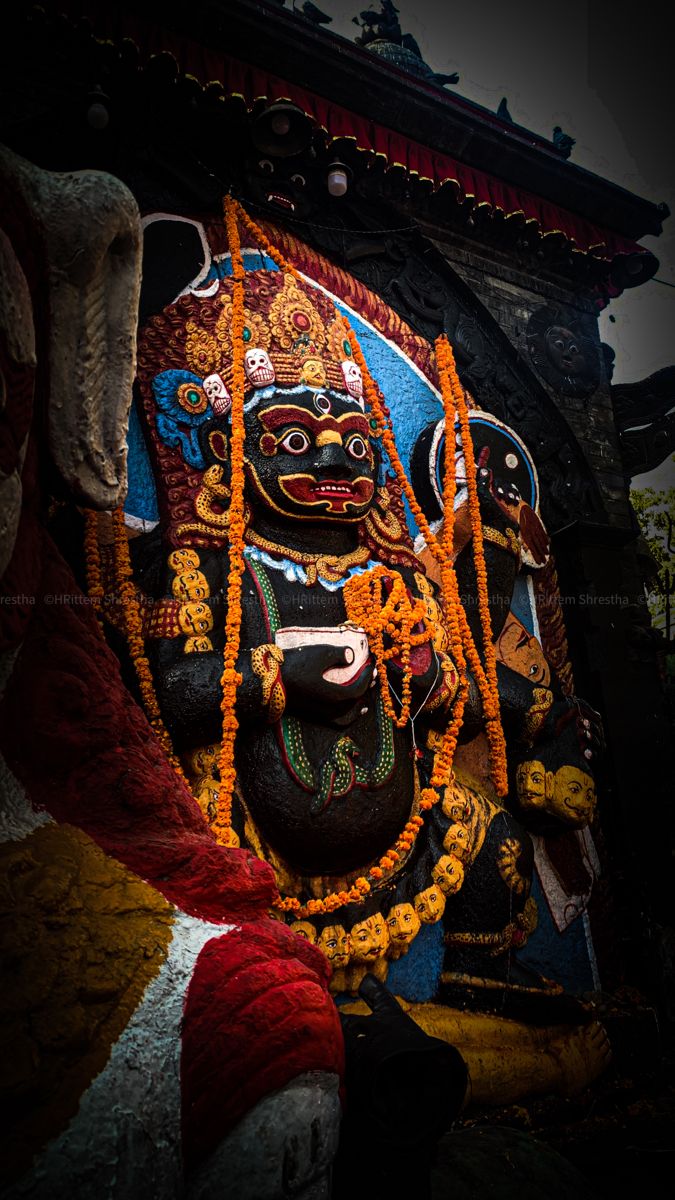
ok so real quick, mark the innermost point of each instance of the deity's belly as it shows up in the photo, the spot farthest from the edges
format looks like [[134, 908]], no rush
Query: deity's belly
[[341, 825]]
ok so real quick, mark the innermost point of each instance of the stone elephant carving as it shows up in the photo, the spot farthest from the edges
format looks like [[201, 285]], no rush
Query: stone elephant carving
[[158, 1025]]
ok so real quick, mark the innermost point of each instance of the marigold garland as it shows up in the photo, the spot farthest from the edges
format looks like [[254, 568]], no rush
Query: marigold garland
[[384, 430], [395, 619], [363, 885], [486, 677], [462, 642], [231, 678], [133, 623], [262, 241], [92, 558]]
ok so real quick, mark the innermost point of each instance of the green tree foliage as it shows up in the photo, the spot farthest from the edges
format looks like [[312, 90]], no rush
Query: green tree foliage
[[655, 511]]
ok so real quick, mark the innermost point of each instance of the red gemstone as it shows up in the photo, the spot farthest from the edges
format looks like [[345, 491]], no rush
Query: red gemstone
[[300, 320]]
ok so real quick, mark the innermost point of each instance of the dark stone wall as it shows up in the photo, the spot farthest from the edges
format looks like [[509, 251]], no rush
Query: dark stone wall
[[512, 294]]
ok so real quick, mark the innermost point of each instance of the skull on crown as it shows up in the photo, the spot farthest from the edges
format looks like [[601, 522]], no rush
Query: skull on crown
[[258, 367], [351, 373], [218, 395]]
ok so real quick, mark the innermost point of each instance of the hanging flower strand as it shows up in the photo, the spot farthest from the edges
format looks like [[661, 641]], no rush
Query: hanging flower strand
[[262, 241], [393, 618], [442, 770], [441, 775], [385, 431], [486, 677], [231, 678], [92, 558], [133, 624]]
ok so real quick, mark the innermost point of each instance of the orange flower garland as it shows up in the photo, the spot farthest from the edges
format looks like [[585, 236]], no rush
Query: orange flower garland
[[231, 678], [460, 634], [261, 240], [442, 775], [396, 618], [385, 431], [133, 624], [402, 846], [486, 677], [462, 642], [92, 557]]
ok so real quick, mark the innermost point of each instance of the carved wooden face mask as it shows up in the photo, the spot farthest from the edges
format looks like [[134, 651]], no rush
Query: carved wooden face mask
[[573, 799], [404, 925], [430, 905], [335, 944], [309, 456], [369, 939], [532, 784]]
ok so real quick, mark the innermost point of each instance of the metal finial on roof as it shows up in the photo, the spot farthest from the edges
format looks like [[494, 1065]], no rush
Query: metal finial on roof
[[563, 142]]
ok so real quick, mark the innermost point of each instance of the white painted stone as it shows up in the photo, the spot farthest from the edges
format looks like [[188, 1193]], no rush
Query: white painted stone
[[282, 1150], [124, 1143]]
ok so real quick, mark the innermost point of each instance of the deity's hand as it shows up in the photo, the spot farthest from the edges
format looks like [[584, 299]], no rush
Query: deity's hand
[[500, 502], [303, 673], [426, 672], [533, 534], [503, 508]]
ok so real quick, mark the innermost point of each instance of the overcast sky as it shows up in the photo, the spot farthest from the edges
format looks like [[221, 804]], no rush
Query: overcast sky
[[592, 68]]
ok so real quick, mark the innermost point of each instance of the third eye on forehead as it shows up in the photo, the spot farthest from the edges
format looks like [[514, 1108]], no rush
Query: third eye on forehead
[[278, 416]]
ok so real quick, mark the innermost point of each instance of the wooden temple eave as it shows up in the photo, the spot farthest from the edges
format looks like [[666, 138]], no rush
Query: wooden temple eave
[[272, 38], [334, 72]]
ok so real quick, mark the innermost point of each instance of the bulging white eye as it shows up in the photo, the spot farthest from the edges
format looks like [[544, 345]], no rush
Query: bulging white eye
[[299, 179], [295, 442], [266, 165], [357, 447]]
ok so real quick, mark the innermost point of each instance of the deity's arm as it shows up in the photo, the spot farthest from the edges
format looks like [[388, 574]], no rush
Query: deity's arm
[[502, 513], [188, 663], [523, 705], [425, 661], [187, 649]]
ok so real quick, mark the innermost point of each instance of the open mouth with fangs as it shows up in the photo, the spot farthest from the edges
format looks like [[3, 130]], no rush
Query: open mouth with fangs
[[336, 493], [281, 200]]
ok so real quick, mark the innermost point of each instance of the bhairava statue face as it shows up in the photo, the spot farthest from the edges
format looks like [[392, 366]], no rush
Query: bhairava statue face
[[309, 456]]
